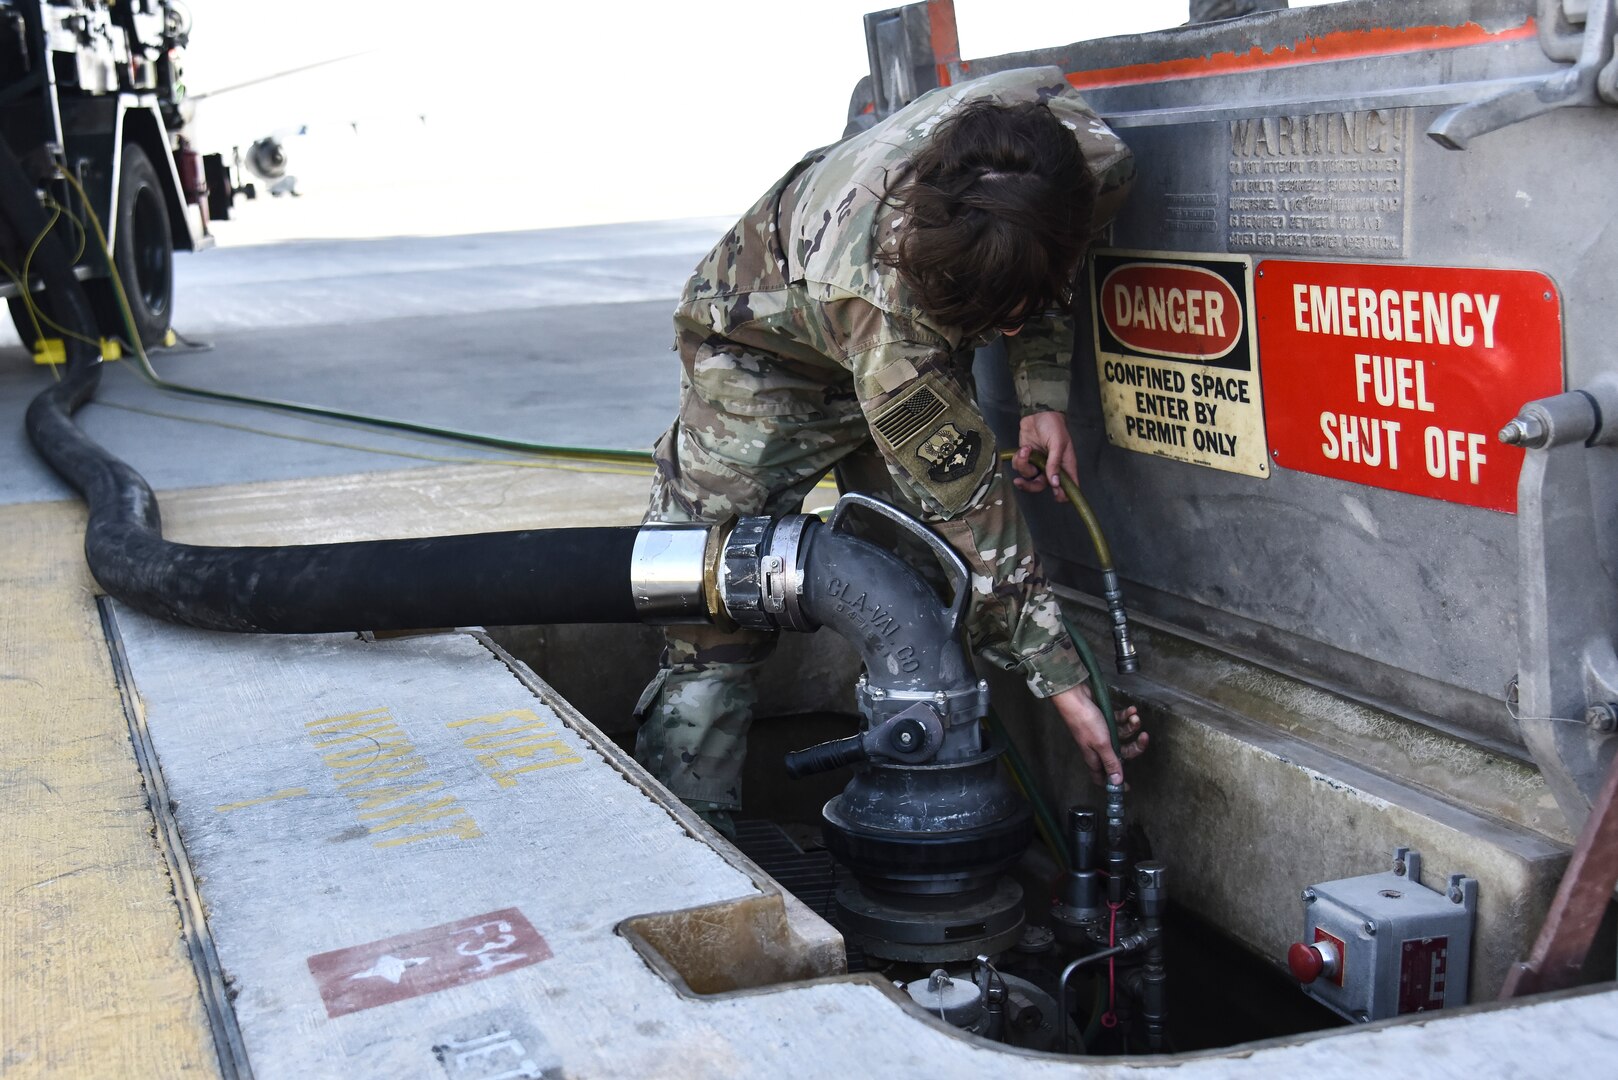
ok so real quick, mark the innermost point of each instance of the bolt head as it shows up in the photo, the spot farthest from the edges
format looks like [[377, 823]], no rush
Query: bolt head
[[1601, 717], [1309, 896], [1370, 928], [1456, 896], [906, 739]]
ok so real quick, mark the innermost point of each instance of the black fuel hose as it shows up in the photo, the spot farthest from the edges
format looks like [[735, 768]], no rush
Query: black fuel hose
[[495, 579]]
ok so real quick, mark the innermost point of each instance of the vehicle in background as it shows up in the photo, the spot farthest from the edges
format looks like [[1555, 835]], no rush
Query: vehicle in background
[[96, 88]]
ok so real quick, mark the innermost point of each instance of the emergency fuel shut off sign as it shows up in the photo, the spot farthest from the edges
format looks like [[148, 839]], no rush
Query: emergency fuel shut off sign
[[1400, 377], [1176, 358]]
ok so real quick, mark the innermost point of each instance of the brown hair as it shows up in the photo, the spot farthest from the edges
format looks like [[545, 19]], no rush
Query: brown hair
[[997, 211]]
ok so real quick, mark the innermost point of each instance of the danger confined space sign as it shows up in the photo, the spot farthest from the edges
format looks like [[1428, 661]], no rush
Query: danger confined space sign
[[1176, 357], [1400, 377]]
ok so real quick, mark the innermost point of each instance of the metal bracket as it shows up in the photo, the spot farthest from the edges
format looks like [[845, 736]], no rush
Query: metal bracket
[[1567, 612], [1591, 80]]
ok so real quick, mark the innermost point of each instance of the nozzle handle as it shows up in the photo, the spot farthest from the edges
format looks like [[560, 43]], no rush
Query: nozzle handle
[[825, 757]]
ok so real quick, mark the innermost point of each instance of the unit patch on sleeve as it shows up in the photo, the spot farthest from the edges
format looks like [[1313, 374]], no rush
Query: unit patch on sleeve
[[951, 452], [939, 440]]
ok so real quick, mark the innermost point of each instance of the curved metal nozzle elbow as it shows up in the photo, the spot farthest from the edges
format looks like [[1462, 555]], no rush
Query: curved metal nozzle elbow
[[797, 573]]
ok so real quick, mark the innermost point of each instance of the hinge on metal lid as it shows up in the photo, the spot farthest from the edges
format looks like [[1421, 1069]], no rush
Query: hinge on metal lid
[[1591, 80]]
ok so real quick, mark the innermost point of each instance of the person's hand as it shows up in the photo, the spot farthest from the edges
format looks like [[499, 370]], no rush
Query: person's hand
[[1045, 433], [1089, 729]]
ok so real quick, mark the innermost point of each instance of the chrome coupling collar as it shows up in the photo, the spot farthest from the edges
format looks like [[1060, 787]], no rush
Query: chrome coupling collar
[[668, 568]]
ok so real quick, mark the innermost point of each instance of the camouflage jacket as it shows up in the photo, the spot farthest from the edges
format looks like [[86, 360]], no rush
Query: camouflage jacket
[[796, 281]]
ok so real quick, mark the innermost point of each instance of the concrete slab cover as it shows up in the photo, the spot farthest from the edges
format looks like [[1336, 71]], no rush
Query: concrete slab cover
[[401, 815], [413, 815]]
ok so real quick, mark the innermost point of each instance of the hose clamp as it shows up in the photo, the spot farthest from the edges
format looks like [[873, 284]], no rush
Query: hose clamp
[[965, 705], [761, 580], [667, 573], [782, 573]]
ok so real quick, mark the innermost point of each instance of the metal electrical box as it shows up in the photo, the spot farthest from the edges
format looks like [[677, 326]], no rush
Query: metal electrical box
[[1385, 944]]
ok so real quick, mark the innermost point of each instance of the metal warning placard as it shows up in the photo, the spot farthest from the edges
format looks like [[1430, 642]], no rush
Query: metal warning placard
[[1176, 357], [1401, 376]]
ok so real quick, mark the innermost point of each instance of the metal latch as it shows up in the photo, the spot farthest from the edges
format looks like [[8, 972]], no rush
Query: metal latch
[[1592, 80]]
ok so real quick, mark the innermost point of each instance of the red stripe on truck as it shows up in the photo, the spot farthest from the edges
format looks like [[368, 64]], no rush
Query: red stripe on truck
[[1337, 45]]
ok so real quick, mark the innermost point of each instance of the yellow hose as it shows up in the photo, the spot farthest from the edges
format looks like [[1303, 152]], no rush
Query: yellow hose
[[1092, 524]]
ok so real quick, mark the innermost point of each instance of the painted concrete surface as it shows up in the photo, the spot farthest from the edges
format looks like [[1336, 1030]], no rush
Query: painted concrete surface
[[94, 977]]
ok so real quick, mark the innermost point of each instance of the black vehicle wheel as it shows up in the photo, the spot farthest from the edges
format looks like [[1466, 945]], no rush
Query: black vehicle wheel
[[143, 251]]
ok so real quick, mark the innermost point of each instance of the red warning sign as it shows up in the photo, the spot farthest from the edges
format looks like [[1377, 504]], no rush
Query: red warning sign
[[422, 961], [1400, 377]]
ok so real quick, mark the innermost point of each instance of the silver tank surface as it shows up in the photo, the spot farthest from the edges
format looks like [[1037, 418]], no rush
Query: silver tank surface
[[1296, 152]]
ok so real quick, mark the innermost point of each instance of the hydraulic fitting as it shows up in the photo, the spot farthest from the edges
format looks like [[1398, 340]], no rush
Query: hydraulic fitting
[[1117, 843], [1123, 641]]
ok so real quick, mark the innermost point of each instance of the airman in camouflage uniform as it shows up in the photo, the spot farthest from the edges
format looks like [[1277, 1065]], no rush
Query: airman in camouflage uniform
[[802, 353]]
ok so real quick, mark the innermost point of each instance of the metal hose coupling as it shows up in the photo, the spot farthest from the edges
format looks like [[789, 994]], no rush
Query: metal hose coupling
[[747, 571], [1123, 641]]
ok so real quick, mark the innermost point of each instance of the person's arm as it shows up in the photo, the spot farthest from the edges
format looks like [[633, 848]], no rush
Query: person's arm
[[1039, 358]]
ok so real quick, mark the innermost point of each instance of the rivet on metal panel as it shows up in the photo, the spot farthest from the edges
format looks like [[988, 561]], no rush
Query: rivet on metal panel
[[1370, 928]]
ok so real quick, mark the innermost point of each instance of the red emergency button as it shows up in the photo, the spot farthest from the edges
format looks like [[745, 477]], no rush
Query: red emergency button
[[1310, 962]]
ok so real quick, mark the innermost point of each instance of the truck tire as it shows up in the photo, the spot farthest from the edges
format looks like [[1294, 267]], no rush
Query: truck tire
[[143, 252]]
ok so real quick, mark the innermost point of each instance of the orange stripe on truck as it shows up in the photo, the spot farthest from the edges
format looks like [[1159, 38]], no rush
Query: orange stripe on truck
[[1337, 45]]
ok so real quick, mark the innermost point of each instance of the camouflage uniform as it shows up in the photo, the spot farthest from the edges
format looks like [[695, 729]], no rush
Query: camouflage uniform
[[800, 353]]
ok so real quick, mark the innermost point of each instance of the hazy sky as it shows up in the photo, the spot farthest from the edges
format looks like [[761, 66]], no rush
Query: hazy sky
[[539, 113]]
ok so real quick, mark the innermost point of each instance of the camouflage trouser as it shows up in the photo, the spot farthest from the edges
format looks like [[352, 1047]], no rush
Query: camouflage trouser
[[713, 464], [719, 461]]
